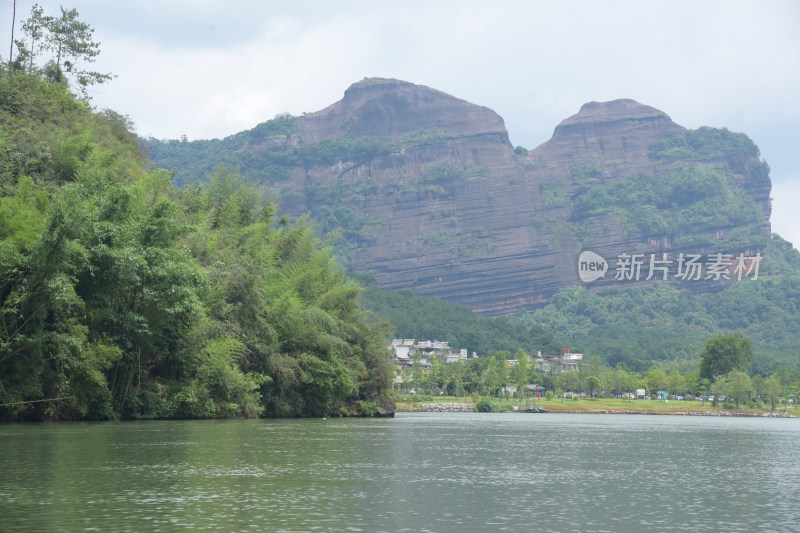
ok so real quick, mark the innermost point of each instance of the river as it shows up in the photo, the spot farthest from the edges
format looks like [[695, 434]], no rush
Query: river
[[416, 472]]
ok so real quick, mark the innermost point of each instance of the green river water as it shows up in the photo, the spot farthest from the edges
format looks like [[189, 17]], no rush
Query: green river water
[[416, 472]]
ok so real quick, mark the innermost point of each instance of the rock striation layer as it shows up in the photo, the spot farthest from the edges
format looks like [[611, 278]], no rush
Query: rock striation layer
[[495, 231], [432, 197]]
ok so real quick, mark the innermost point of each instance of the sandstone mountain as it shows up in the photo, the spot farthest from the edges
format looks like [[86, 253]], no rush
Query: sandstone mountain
[[431, 196]]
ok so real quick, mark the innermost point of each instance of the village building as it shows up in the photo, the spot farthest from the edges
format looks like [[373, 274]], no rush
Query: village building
[[557, 364], [405, 351]]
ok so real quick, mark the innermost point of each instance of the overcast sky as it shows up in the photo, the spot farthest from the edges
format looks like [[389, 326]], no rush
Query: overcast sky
[[207, 69]]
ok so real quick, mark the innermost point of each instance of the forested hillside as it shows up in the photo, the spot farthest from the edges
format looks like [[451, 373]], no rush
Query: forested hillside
[[669, 326], [122, 296], [637, 327]]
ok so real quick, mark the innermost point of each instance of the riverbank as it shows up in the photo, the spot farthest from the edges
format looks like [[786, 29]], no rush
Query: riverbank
[[596, 406]]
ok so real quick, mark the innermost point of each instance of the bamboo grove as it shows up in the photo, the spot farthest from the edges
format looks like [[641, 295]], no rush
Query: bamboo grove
[[122, 296]]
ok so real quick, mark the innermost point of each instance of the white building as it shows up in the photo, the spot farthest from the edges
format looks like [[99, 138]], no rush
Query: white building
[[566, 362], [405, 350]]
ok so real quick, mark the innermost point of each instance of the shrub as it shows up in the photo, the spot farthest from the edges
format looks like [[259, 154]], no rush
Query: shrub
[[484, 406]]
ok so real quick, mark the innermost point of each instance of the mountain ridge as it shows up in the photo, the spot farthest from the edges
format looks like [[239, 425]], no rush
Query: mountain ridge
[[393, 108], [431, 196]]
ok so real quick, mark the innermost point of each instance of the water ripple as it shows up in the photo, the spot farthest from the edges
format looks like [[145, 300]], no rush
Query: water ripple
[[417, 472]]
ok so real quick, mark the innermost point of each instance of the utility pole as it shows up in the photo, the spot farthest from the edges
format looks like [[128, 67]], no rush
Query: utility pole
[[13, 23]]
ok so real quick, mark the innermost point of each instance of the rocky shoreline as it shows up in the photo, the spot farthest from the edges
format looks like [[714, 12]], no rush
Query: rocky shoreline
[[685, 413], [470, 408], [445, 408]]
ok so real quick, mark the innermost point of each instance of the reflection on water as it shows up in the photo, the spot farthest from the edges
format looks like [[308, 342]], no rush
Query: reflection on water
[[417, 472]]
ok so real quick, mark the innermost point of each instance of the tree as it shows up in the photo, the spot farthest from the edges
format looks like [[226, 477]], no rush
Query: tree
[[724, 353], [677, 383], [634, 381], [692, 383], [436, 373], [498, 374], [657, 379], [33, 29], [773, 388], [738, 386], [455, 378], [569, 380], [703, 388], [619, 379], [719, 389], [521, 373], [758, 388], [592, 383], [416, 372], [69, 40]]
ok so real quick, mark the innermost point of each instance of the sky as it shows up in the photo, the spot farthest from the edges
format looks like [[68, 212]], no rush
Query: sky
[[208, 69]]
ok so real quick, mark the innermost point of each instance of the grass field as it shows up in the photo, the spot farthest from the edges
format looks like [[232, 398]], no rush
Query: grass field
[[598, 405]]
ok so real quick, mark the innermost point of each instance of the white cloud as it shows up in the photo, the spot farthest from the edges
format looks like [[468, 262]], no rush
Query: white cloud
[[786, 198], [209, 69]]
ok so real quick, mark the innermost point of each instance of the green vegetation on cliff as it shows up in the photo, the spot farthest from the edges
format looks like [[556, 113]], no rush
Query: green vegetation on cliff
[[122, 296], [687, 198], [682, 203], [272, 150]]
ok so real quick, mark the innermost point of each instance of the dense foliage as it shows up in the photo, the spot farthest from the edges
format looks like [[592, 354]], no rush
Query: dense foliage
[[660, 323], [500, 375], [261, 154], [705, 144], [638, 327], [695, 192], [682, 203], [653, 326], [272, 150], [723, 354], [122, 296]]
